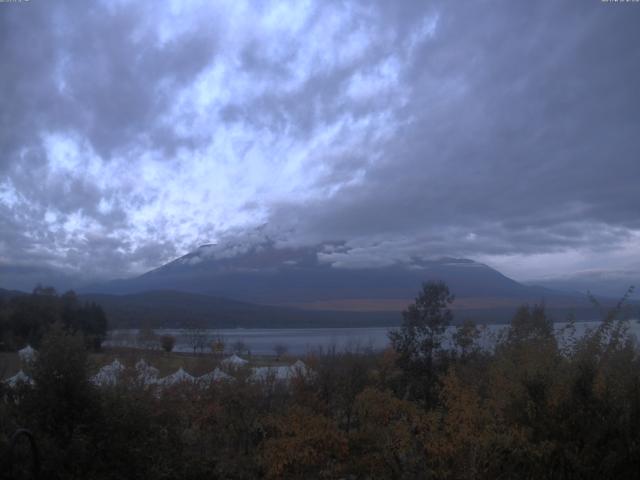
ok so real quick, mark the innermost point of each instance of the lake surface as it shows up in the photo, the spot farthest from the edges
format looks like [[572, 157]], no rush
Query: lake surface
[[300, 341]]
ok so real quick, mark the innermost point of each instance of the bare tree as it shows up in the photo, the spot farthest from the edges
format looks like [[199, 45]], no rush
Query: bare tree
[[280, 349], [239, 346], [147, 338], [197, 338], [218, 345]]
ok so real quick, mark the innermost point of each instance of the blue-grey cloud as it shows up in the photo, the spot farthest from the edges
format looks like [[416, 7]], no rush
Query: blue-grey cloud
[[131, 132]]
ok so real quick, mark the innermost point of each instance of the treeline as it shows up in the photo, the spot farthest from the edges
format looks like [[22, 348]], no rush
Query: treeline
[[537, 405], [25, 319]]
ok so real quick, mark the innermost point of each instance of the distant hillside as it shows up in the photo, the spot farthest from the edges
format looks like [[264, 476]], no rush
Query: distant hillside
[[5, 294], [299, 277], [262, 286], [613, 283], [187, 310], [172, 309]]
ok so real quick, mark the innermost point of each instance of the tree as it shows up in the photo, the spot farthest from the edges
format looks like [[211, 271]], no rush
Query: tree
[[466, 338], [217, 346], [88, 319], [239, 346], [387, 441], [147, 338], [61, 391], [93, 325], [419, 340], [530, 324], [302, 444], [280, 349], [167, 342], [197, 338], [31, 316], [458, 437], [62, 405]]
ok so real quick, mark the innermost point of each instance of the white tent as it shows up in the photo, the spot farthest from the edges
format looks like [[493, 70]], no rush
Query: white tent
[[216, 376], [18, 378], [280, 373], [263, 374], [146, 373], [299, 367], [234, 361], [177, 377], [109, 374], [27, 354]]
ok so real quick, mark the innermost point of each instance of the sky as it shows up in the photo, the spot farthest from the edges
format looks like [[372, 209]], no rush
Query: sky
[[505, 132]]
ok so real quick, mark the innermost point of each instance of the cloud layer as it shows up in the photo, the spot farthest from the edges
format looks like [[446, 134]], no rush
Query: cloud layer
[[131, 132]]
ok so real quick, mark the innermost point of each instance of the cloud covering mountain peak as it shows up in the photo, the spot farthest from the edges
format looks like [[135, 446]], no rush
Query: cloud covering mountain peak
[[132, 132]]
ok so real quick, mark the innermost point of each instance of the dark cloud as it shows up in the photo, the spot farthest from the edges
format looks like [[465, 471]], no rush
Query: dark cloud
[[534, 150], [131, 132]]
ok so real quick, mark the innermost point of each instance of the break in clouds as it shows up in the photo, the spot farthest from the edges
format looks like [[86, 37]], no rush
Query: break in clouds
[[132, 132]]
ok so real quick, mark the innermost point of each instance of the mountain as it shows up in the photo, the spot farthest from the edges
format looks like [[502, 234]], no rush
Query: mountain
[[612, 283], [6, 294], [269, 287], [303, 278], [171, 309], [25, 278]]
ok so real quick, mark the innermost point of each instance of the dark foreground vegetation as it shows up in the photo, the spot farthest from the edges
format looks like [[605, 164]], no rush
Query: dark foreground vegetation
[[533, 407]]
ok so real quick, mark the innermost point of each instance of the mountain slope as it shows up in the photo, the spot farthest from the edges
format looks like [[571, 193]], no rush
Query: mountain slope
[[173, 309], [299, 277]]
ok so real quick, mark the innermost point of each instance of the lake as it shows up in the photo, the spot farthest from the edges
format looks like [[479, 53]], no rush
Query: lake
[[299, 341]]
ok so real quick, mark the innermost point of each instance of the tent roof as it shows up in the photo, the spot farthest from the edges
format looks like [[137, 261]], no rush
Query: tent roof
[[214, 376], [19, 377], [179, 376], [234, 360]]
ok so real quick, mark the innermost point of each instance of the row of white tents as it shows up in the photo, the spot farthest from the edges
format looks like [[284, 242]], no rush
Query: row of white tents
[[146, 374]]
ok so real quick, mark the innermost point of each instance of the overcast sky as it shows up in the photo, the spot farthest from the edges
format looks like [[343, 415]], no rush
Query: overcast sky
[[503, 131]]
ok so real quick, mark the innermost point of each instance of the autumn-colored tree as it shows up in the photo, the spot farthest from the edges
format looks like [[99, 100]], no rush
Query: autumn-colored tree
[[386, 442], [459, 436], [531, 407], [302, 444]]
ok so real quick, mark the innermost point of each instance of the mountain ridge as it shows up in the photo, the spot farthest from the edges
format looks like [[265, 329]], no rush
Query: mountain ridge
[[306, 278]]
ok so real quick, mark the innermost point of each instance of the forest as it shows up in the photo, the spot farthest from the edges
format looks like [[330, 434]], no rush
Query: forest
[[535, 405], [25, 319]]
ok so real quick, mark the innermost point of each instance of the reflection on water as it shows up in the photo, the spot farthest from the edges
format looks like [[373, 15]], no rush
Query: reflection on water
[[298, 341]]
